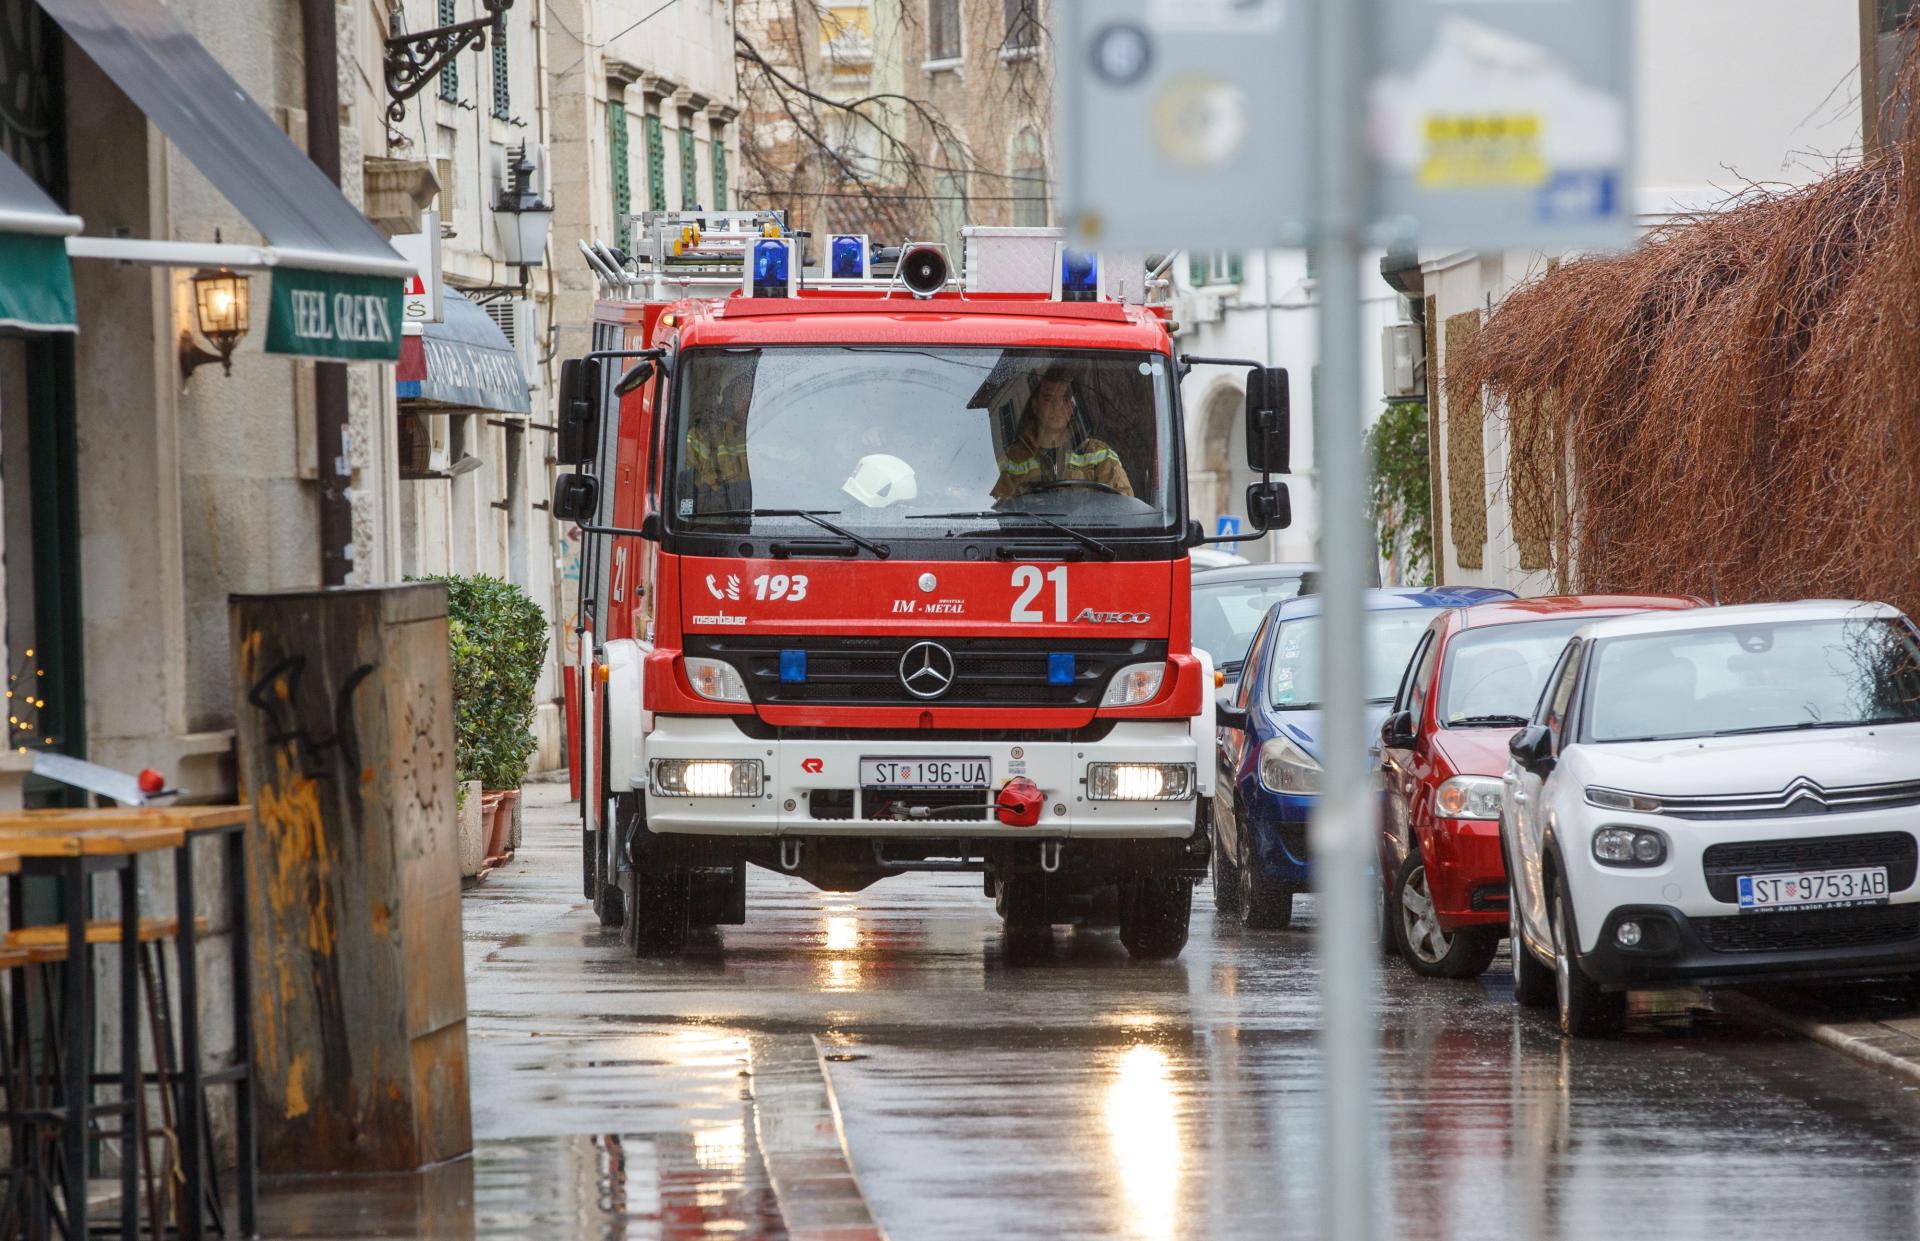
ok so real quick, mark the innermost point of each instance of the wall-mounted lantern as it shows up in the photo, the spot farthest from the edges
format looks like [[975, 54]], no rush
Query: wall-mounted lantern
[[522, 218], [220, 310]]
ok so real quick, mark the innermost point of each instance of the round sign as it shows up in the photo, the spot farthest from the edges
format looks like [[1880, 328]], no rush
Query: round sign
[[1122, 54], [1201, 121]]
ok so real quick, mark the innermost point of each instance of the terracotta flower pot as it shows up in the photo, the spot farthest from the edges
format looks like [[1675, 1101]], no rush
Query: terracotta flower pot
[[501, 828], [489, 822]]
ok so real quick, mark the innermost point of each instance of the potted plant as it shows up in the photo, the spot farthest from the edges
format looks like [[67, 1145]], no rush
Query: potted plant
[[497, 639]]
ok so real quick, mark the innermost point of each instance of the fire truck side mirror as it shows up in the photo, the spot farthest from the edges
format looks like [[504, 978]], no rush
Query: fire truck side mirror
[[576, 497], [1269, 421], [1269, 507], [580, 394]]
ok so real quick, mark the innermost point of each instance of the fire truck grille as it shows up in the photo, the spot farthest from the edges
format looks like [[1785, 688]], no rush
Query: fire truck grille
[[986, 672]]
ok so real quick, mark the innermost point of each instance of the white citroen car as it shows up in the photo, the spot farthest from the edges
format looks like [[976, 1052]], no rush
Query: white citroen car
[[1716, 796]]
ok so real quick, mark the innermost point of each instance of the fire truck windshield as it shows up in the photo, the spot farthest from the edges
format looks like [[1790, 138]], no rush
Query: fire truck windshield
[[873, 437]]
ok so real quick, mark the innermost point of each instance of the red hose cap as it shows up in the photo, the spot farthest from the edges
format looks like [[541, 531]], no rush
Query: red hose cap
[[151, 781], [1020, 803]]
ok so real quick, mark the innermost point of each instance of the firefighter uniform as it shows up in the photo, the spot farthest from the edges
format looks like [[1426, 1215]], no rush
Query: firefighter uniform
[[717, 458], [1027, 466]]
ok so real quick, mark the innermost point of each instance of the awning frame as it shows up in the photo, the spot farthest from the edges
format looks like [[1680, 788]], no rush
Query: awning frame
[[238, 256]]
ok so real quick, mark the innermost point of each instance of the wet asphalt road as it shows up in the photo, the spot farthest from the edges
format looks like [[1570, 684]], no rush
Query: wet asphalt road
[[1081, 1095]]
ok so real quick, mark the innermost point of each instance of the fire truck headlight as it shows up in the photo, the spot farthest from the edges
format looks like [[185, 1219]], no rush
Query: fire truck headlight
[[706, 777], [716, 679], [1134, 684], [1139, 781]]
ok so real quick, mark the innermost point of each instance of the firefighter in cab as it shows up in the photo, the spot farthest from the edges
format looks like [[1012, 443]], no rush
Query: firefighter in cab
[[717, 447], [1053, 447]]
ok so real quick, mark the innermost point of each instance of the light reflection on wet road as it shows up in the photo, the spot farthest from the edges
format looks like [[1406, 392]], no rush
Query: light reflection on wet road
[[1081, 1095]]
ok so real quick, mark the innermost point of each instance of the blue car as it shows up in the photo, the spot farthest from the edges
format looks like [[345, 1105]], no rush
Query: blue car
[[1270, 768]]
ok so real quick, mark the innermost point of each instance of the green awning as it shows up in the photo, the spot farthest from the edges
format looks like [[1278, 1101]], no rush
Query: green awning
[[36, 284]]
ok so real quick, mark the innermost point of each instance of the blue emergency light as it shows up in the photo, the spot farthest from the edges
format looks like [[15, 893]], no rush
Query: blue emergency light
[[849, 257], [793, 667], [771, 263], [1079, 276], [1060, 668]]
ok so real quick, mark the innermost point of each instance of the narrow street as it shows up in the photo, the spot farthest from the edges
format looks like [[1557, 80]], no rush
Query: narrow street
[[1081, 1095]]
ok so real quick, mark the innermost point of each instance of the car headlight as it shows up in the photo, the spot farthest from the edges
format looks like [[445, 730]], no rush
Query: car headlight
[[1629, 846], [1139, 781], [1617, 799], [707, 777], [1468, 797], [716, 679], [1134, 684], [1286, 768]]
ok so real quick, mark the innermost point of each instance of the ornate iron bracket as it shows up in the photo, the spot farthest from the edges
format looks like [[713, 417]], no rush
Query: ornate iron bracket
[[413, 60]]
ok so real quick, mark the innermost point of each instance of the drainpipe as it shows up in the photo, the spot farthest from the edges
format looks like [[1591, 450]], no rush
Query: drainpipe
[[321, 37]]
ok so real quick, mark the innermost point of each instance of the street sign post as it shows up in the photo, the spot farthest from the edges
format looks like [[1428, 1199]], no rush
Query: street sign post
[[1460, 122], [1227, 524]]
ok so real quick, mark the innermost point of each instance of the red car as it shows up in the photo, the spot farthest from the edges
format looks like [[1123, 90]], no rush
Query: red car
[[1471, 683]]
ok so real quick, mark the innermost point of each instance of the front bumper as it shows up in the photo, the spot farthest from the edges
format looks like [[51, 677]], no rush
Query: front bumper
[[1467, 874], [798, 772], [1277, 825], [1674, 950]]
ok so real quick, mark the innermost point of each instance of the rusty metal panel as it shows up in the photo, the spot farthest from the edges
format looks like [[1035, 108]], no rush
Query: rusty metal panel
[[345, 738]]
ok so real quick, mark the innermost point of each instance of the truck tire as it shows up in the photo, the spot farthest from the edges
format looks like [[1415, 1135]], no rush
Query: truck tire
[[657, 906], [609, 901], [1154, 913], [1024, 906]]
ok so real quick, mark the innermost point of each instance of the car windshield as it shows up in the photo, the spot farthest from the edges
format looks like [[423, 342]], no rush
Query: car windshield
[[1225, 615], [1294, 676], [1495, 673], [917, 441], [1754, 678]]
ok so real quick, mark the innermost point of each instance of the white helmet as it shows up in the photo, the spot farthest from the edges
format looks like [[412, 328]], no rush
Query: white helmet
[[880, 480]]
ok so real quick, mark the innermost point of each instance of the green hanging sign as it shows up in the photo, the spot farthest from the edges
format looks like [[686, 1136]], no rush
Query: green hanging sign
[[36, 284], [318, 314]]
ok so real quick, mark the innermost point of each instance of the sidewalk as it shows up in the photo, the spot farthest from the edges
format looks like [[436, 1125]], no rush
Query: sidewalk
[[1876, 1022]]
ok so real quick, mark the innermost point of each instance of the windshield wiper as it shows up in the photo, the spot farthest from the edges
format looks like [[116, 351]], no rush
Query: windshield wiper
[[1081, 537], [1489, 721], [1802, 726], [880, 550]]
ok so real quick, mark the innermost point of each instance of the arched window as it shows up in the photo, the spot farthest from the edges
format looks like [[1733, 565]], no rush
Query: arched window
[[1030, 187]]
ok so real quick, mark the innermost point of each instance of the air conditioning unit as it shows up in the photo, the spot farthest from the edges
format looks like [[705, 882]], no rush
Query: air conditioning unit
[[1401, 367], [504, 158], [518, 322]]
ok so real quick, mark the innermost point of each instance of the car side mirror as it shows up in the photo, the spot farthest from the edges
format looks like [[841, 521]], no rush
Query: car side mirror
[[1227, 715], [1269, 421], [1532, 748], [1398, 731], [576, 497], [1269, 507], [578, 437]]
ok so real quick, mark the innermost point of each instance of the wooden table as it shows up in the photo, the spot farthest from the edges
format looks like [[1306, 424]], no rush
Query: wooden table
[[140, 829]]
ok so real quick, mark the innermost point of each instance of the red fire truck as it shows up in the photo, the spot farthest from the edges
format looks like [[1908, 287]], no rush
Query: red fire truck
[[886, 571]]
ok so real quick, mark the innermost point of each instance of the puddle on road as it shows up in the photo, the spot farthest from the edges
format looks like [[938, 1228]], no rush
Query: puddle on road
[[671, 1187]]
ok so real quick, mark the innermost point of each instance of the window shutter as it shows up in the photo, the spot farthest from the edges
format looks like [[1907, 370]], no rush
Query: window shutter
[[502, 95], [689, 169], [656, 165], [1197, 268], [618, 161], [719, 171], [1236, 268], [449, 76]]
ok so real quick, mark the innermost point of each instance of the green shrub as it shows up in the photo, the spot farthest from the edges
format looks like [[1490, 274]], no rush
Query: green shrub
[[497, 637]]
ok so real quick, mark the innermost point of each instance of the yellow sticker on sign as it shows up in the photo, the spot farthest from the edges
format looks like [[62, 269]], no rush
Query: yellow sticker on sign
[[1483, 150]]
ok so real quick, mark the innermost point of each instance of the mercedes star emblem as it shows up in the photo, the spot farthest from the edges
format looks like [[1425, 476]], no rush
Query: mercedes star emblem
[[927, 670]]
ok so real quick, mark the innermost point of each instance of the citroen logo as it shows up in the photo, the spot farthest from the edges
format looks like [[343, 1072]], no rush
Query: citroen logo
[[927, 670], [1803, 789]]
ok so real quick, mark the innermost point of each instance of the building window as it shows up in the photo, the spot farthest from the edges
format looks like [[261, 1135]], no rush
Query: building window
[[1214, 267], [656, 164], [943, 29], [719, 146], [1023, 26], [449, 76], [617, 161], [1030, 189], [1893, 14], [502, 95], [689, 166]]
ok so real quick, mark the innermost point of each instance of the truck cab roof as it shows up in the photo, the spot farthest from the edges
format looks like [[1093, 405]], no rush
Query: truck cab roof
[[866, 317]]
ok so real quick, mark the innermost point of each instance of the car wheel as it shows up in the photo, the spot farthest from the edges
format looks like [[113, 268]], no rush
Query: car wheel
[[1533, 983], [1263, 904], [1154, 913], [1226, 878], [1585, 1010], [1424, 943], [1385, 939]]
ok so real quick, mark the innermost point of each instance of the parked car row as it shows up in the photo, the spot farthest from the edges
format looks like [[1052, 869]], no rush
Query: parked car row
[[1637, 791]]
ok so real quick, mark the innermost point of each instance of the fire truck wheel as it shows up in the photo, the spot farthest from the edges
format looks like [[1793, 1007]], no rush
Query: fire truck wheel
[[1022, 904], [657, 909], [609, 900], [1154, 911]]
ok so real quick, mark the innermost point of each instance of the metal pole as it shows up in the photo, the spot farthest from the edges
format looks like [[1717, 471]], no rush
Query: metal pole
[[1266, 283], [321, 41], [1342, 827]]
